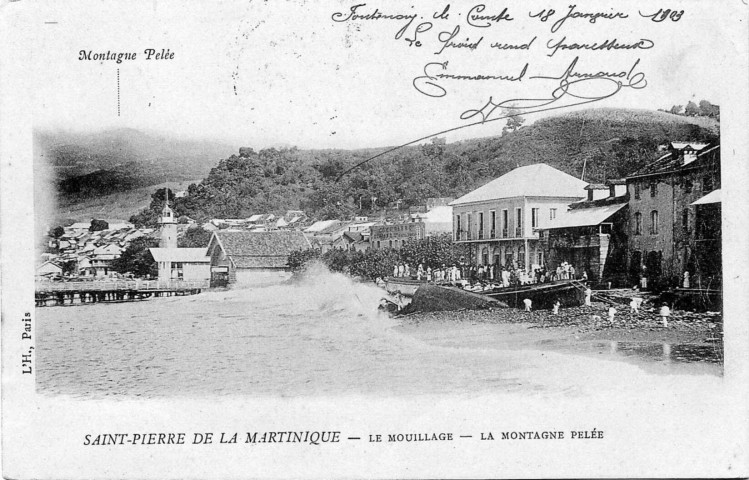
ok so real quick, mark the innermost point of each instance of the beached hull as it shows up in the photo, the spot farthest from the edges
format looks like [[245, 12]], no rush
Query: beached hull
[[403, 286], [543, 295]]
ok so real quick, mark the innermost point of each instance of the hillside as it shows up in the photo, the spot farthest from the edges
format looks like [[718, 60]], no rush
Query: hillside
[[607, 143], [114, 206], [610, 142], [88, 165]]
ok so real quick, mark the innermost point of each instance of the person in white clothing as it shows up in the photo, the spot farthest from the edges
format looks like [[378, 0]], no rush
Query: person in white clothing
[[634, 305], [588, 294], [556, 307], [665, 313], [528, 304]]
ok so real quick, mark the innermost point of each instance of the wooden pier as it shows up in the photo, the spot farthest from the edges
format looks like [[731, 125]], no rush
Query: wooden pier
[[76, 293]]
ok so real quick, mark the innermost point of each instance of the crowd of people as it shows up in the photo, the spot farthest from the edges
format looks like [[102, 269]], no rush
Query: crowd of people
[[486, 277], [480, 278]]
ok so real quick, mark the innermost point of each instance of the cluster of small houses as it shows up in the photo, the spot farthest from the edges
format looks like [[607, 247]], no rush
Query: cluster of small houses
[[659, 225]]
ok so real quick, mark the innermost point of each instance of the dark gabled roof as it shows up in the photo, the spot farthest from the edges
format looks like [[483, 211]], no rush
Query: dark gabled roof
[[261, 244], [353, 236], [260, 262], [671, 162], [260, 249], [596, 186]]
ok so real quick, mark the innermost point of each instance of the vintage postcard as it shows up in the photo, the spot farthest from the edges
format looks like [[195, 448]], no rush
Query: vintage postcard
[[348, 239]]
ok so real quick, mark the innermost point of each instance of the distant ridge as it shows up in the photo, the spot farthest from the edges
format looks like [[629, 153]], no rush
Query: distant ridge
[[601, 143]]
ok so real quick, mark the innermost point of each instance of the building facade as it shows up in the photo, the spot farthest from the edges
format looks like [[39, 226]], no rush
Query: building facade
[[663, 240], [178, 264], [253, 258], [395, 235], [592, 237], [500, 221]]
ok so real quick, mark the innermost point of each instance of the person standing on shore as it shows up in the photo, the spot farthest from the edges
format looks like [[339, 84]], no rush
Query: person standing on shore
[[572, 272], [528, 304], [556, 307], [612, 314], [420, 272], [634, 305], [665, 313], [429, 274], [395, 270], [588, 294]]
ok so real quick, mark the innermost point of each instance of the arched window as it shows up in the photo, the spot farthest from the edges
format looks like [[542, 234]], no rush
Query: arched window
[[638, 223], [654, 222]]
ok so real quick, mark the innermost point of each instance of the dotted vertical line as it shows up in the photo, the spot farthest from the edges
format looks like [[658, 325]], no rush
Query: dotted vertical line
[[118, 92]]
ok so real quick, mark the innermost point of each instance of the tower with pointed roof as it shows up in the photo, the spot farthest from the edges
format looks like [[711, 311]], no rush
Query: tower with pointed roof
[[168, 226]]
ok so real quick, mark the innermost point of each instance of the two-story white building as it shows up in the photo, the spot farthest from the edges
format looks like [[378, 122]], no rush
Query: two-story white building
[[500, 220]]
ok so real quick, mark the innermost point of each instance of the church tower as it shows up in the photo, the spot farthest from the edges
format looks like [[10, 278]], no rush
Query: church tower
[[168, 226]]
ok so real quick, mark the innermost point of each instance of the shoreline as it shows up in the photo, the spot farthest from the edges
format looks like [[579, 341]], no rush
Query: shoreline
[[575, 326]]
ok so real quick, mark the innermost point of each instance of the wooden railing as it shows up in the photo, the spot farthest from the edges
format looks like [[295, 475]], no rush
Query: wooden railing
[[121, 285]]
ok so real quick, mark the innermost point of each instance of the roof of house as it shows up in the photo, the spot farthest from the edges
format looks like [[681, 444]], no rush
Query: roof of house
[[539, 180], [584, 217], [683, 145], [50, 262], [353, 236], [321, 225], [185, 255], [80, 226], [670, 162], [712, 197], [260, 249]]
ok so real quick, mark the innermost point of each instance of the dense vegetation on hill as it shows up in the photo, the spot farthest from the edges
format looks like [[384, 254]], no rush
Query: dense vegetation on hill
[[91, 165], [605, 143]]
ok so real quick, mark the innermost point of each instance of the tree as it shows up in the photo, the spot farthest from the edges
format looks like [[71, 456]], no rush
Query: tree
[[514, 120], [195, 237], [97, 225], [691, 110], [57, 232], [137, 258], [69, 267], [433, 251], [707, 109], [676, 109]]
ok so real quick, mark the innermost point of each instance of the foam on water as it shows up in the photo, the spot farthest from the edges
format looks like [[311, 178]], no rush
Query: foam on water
[[318, 335]]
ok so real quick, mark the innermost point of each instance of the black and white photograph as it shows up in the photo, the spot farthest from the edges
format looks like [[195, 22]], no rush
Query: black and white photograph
[[248, 239]]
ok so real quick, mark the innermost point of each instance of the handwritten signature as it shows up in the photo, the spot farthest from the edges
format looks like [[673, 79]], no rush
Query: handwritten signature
[[580, 88], [577, 88]]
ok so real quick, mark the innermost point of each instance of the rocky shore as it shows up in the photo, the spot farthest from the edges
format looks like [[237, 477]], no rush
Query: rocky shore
[[591, 323]]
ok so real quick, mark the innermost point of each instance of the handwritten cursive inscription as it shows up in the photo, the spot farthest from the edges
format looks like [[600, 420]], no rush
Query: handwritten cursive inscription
[[592, 17], [354, 15], [474, 18], [579, 87], [606, 45], [427, 83]]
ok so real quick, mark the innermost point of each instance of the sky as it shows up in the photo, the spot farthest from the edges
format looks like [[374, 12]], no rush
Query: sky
[[283, 73]]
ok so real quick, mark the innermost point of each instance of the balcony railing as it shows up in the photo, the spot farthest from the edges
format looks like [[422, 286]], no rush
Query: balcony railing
[[519, 231], [505, 233], [493, 233], [481, 234]]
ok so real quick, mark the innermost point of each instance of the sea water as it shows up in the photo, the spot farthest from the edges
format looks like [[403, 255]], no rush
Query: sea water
[[320, 335]]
